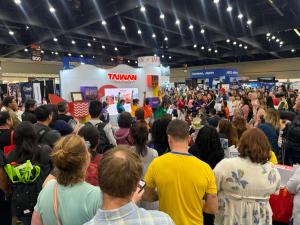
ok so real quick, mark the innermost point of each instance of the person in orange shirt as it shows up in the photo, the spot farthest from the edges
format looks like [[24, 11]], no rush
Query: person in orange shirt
[[147, 109], [226, 109]]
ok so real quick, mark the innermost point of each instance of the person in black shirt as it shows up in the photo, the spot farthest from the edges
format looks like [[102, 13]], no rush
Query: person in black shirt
[[62, 112], [213, 119], [29, 115], [6, 124]]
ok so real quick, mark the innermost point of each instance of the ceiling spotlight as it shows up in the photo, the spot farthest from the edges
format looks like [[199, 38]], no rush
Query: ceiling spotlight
[[18, 2], [143, 9], [42, 51], [155, 55], [293, 50], [228, 40], [191, 27], [170, 57], [216, 51], [166, 39], [163, 56], [89, 44], [56, 53], [103, 22], [277, 40], [202, 31], [162, 16], [195, 46], [297, 32], [240, 16], [268, 34], [245, 47], [209, 49], [128, 61], [240, 45], [136, 62], [116, 49], [273, 37], [73, 42], [69, 54], [103, 46], [281, 43], [234, 43], [216, 1], [11, 33], [269, 39], [123, 27], [81, 56], [51, 9], [229, 9], [55, 39], [27, 27], [249, 21], [154, 35], [202, 48], [52, 53], [177, 22], [139, 32], [112, 59], [94, 39], [26, 50]]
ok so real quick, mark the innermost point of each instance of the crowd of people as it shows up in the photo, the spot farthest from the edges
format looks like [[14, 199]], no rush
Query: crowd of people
[[165, 165]]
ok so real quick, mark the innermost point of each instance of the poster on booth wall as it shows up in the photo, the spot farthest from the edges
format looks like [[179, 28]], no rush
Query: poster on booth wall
[[26, 91], [112, 95], [89, 93]]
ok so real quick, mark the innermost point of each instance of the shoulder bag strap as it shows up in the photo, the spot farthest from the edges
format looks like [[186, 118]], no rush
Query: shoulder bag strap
[[55, 203], [12, 138]]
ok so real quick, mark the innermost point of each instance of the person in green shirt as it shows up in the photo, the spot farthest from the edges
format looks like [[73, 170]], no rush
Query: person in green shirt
[[120, 104]]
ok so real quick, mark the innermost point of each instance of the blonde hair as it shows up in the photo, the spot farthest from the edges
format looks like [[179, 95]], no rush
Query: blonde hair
[[70, 156], [272, 117]]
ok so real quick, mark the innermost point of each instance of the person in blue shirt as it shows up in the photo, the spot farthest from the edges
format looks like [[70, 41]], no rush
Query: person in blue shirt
[[120, 104]]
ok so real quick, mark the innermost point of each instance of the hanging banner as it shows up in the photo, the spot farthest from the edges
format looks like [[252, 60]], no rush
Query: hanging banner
[[72, 62], [26, 91], [36, 54], [148, 61], [37, 93]]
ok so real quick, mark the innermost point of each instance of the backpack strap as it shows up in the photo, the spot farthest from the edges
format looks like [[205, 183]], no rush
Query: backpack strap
[[42, 133], [12, 137], [55, 203]]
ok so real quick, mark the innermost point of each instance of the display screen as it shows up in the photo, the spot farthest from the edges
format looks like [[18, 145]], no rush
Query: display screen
[[112, 94]]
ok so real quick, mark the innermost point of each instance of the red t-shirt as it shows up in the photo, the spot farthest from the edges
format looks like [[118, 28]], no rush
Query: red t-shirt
[[275, 101], [92, 171]]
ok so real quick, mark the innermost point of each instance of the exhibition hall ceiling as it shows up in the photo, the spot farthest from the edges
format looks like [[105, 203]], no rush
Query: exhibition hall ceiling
[[192, 32]]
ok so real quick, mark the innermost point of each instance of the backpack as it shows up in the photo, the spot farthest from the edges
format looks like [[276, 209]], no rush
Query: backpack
[[92, 171], [41, 133], [104, 143], [26, 185]]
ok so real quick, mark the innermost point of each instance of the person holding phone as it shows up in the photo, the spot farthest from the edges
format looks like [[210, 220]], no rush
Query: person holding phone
[[118, 199]]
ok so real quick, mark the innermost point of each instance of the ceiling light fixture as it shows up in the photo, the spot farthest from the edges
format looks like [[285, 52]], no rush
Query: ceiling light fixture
[[143, 9], [116, 49], [56, 53], [94, 57], [166, 39], [27, 27], [245, 47], [94, 39], [209, 49], [81, 56], [103, 22], [123, 27], [202, 31], [155, 55], [136, 62], [268, 34], [89, 44], [273, 37], [228, 40], [162, 16], [240, 16], [103, 46], [170, 57], [69, 54], [55, 39], [293, 50], [216, 51], [195, 46], [128, 61], [249, 21], [52, 9], [73, 42], [163, 56], [281, 43], [229, 9], [52, 53], [277, 40], [139, 32], [234, 43], [177, 22], [191, 27], [26, 50], [11, 33], [18, 2], [42, 51], [297, 32], [154, 35], [112, 59], [202, 47], [216, 1], [240, 45]]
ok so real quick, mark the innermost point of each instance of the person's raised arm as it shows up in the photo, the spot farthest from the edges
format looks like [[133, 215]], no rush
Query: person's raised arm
[[119, 97], [144, 97]]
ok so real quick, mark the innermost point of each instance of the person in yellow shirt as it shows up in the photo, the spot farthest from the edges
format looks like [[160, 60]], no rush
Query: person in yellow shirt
[[134, 106], [184, 185]]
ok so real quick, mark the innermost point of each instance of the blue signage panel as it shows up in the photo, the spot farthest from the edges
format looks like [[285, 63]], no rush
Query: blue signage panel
[[212, 73], [71, 62]]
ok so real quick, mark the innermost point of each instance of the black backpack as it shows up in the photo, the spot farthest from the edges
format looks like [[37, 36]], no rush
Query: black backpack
[[104, 143]]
